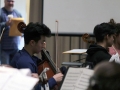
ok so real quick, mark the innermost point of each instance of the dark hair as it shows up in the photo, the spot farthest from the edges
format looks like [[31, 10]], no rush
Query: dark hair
[[103, 29], [106, 77], [34, 31], [117, 26]]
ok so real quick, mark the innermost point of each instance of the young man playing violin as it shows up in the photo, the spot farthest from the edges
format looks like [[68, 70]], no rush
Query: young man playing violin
[[34, 36]]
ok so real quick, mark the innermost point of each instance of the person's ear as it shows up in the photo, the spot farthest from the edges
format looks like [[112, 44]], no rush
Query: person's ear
[[32, 42], [114, 36], [106, 37]]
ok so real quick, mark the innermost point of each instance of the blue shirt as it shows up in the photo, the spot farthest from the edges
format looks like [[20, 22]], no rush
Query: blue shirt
[[22, 59], [8, 42]]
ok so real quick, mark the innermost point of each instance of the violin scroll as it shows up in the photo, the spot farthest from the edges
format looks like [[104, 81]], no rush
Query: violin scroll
[[86, 37], [21, 27]]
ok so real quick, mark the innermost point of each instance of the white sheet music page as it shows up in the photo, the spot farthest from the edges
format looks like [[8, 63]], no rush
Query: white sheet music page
[[25, 72], [83, 81], [14, 79], [71, 78], [3, 79], [20, 82], [5, 74]]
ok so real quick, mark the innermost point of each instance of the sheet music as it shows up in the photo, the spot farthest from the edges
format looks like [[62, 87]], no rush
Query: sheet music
[[14, 79], [77, 79], [71, 78], [25, 72], [20, 82], [83, 82], [3, 79]]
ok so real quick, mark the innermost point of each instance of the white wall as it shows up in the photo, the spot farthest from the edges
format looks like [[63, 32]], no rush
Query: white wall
[[79, 16]]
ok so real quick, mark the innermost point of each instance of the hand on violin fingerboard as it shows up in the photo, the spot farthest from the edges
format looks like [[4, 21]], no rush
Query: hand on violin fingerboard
[[58, 77]]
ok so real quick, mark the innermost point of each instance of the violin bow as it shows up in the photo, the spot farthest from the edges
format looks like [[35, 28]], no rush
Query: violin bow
[[2, 33], [56, 44]]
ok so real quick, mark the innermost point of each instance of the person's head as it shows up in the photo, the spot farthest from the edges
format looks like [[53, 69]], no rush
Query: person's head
[[104, 33], [106, 77], [117, 34], [9, 4], [34, 36]]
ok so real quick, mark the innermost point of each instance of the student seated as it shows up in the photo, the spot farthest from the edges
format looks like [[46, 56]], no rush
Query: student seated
[[106, 77], [34, 36], [104, 38]]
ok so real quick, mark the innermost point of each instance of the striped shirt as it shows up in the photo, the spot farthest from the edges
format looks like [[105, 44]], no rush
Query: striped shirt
[[8, 42]]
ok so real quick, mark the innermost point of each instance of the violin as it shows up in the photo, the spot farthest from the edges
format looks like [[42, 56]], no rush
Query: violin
[[47, 62], [86, 38]]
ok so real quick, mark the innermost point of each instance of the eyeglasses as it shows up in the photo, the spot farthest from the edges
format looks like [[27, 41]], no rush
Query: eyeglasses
[[10, 1]]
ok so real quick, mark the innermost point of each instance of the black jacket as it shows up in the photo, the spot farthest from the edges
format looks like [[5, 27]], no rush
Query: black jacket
[[96, 54]]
